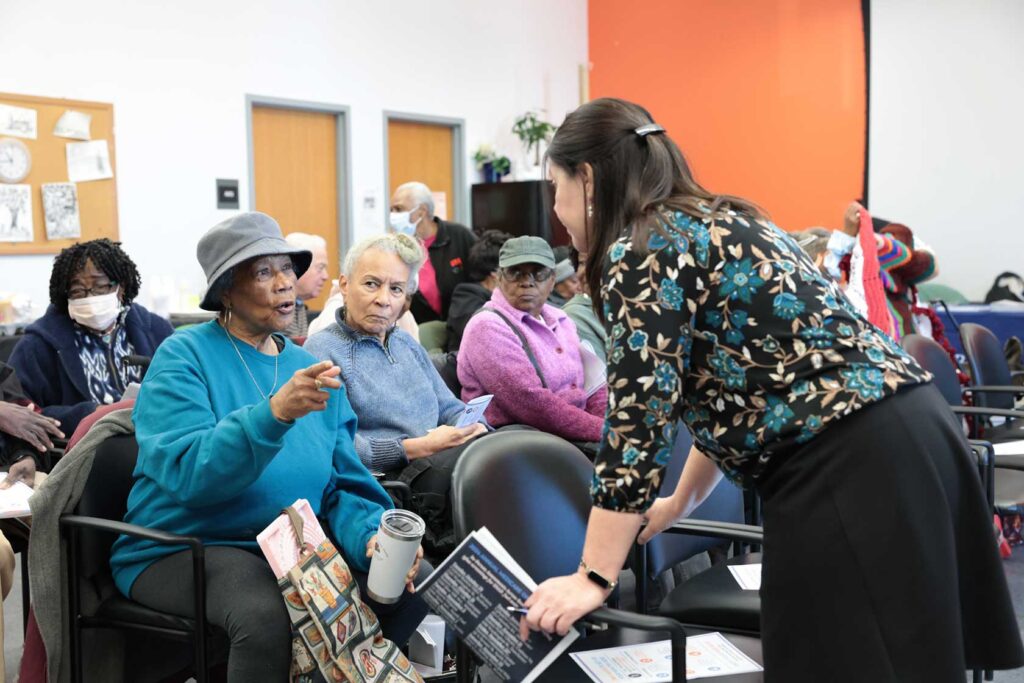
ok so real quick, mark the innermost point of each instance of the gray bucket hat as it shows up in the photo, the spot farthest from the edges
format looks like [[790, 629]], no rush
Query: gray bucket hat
[[239, 239], [526, 249]]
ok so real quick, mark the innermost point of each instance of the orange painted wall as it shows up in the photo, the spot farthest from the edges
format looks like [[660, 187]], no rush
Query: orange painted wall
[[766, 98]]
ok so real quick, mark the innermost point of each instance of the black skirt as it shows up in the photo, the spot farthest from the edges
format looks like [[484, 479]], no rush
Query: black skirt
[[880, 562]]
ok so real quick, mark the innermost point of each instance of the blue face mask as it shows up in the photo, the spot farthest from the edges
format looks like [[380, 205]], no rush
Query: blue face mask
[[401, 223]]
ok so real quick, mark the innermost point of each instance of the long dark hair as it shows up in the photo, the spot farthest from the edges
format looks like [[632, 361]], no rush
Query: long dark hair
[[634, 175]]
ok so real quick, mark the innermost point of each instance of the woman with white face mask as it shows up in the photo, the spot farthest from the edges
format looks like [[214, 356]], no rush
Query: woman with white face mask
[[72, 359]]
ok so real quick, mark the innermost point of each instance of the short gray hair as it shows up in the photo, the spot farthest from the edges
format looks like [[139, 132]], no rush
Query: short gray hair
[[303, 240], [403, 246], [421, 194]]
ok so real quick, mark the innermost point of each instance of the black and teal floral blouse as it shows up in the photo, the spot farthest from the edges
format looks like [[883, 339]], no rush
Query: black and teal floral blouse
[[725, 323]]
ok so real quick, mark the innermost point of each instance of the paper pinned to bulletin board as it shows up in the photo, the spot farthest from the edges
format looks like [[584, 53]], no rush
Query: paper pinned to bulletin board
[[54, 124]]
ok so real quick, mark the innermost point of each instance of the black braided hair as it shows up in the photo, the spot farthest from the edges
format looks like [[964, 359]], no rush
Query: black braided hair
[[107, 256]]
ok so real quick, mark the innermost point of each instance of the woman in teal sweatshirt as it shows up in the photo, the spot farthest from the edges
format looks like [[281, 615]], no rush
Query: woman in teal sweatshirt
[[234, 422]]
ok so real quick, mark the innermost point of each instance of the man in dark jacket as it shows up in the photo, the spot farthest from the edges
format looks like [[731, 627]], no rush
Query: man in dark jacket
[[469, 297], [447, 245], [72, 359]]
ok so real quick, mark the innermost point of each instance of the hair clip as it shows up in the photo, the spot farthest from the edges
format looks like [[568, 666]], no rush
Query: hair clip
[[644, 131]]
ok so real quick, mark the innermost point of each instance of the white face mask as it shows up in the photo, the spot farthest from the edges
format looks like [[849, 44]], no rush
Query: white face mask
[[401, 223], [95, 312]]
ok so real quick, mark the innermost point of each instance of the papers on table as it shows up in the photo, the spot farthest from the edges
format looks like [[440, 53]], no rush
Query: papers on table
[[594, 370], [14, 501], [474, 411], [1009, 448], [748, 576], [88, 161], [707, 656]]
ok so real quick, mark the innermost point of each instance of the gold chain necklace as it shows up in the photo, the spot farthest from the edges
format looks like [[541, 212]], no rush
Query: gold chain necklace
[[246, 365]]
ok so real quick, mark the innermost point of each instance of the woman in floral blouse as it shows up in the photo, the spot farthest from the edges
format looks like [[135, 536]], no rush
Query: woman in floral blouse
[[878, 556]]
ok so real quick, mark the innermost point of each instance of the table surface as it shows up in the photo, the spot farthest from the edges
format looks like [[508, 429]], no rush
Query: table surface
[[566, 670]]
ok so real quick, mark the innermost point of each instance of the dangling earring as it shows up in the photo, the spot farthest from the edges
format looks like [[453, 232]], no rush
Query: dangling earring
[[227, 319], [590, 210]]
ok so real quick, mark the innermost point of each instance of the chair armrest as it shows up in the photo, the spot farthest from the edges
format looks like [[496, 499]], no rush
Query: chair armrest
[[992, 412], [734, 532], [995, 389], [109, 525], [1009, 462], [406, 493]]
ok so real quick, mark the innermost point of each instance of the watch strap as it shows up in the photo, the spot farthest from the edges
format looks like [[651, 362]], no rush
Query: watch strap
[[597, 578]]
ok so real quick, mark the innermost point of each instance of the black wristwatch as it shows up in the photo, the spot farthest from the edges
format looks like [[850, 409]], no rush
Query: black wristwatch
[[604, 583]]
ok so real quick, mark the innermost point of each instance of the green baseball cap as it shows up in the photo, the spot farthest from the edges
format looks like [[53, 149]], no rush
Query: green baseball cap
[[526, 249]]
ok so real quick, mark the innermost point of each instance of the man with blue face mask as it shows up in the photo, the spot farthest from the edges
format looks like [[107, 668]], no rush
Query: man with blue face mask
[[72, 359], [447, 245]]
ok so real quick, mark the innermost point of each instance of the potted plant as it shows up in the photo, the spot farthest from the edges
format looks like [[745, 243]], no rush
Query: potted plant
[[493, 165], [532, 131]]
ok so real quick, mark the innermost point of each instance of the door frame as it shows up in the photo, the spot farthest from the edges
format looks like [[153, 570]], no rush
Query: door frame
[[343, 156], [459, 206]]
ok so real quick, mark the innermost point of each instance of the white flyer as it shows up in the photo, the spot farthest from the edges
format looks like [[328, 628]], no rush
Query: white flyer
[[595, 372], [14, 500], [18, 122], [707, 656], [89, 161], [60, 211], [73, 124], [748, 576], [474, 411]]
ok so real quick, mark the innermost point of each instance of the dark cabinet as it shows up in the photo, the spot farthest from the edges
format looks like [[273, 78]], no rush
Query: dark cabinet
[[519, 208]]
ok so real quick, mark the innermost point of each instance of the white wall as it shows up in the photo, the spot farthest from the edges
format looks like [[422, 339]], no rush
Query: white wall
[[947, 131], [177, 74]]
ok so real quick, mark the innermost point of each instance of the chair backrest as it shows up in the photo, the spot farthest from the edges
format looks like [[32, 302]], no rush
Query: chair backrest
[[7, 344], [725, 504], [933, 291], [988, 364], [930, 355], [532, 491], [446, 364], [105, 495], [433, 335]]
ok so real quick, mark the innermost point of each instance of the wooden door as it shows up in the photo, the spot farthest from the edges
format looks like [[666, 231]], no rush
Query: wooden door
[[423, 152], [295, 162]]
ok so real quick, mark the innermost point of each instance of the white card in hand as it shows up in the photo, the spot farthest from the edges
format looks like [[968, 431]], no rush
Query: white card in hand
[[474, 411]]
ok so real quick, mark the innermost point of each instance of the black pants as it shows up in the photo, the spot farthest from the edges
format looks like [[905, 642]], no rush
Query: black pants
[[879, 558], [242, 598]]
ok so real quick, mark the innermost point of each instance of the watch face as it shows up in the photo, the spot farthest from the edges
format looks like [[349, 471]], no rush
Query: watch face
[[15, 160]]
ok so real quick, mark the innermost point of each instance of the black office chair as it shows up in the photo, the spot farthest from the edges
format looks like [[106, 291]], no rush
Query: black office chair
[[933, 358], [711, 599], [532, 492], [7, 344], [446, 365], [89, 534], [991, 380]]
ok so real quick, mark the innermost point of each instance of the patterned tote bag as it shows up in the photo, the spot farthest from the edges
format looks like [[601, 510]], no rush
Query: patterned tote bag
[[335, 636]]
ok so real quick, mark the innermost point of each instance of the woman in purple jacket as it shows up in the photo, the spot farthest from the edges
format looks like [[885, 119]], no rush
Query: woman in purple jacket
[[527, 353]]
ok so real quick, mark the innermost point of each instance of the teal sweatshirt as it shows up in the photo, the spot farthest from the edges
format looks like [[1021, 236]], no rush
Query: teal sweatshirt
[[215, 463]]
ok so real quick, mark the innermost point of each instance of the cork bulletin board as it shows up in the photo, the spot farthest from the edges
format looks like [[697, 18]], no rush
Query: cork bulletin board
[[97, 199]]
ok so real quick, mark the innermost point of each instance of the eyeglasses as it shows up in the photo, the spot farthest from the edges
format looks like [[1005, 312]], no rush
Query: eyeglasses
[[98, 289], [521, 275]]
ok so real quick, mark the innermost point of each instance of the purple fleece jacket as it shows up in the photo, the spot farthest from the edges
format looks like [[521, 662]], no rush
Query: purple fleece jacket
[[492, 361]]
